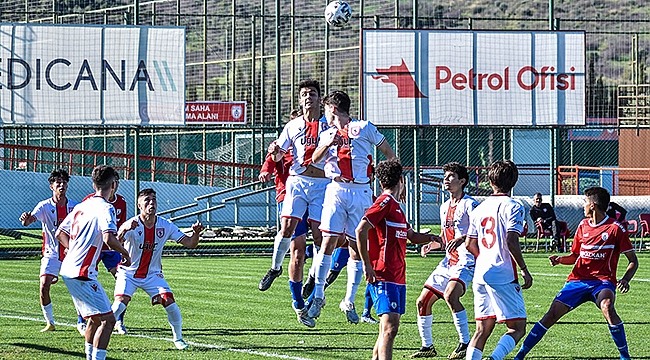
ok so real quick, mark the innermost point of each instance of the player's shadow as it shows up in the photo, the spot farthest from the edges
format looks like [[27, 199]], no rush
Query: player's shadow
[[595, 322], [51, 350]]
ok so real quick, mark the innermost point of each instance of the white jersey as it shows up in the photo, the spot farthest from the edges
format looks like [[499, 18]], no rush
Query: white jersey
[[351, 152], [303, 137], [86, 225], [50, 217], [489, 223], [455, 223], [145, 246]]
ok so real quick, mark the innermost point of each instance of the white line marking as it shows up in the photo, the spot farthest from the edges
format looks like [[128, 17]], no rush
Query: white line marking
[[566, 275], [193, 343]]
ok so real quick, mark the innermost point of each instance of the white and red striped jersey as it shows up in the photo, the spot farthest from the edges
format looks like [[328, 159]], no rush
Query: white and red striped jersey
[[145, 246], [352, 150], [50, 217], [86, 225], [489, 223], [455, 223], [303, 137]]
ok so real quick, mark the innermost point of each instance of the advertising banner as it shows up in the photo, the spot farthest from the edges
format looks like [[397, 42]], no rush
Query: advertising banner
[[449, 77], [92, 75]]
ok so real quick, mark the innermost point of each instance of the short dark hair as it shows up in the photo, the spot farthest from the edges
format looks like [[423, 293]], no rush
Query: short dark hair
[[459, 169], [103, 176], [538, 194], [58, 174], [503, 174], [599, 196], [146, 192], [309, 83], [388, 172], [339, 99]]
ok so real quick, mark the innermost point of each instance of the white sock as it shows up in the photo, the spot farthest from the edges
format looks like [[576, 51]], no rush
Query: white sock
[[424, 327], [504, 347], [89, 351], [118, 308], [322, 265], [48, 314], [280, 247], [460, 321], [175, 320], [99, 354], [473, 353], [355, 273]]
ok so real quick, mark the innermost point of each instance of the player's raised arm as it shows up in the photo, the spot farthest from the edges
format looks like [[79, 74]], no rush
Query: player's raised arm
[[387, 150], [126, 227], [27, 218], [420, 238], [632, 266], [191, 242]]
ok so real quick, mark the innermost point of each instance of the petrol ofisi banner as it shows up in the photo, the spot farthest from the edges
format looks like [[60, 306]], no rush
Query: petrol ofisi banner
[[449, 77]]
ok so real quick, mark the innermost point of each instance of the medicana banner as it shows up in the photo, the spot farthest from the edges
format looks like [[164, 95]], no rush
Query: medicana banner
[[92, 75], [438, 77]]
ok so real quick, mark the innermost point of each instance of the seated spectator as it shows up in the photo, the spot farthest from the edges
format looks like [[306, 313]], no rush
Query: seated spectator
[[544, 216], [616, 212]]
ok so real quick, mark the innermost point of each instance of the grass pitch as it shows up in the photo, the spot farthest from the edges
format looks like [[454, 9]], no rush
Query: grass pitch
[[226, 317]]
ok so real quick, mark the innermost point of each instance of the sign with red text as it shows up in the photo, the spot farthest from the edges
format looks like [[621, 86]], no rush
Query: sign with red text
[[215, 112], [449, 77]]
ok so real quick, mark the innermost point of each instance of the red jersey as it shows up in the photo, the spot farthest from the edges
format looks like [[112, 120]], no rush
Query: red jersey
[[388, 250], [598, 248], [281, 171], [120, 211]]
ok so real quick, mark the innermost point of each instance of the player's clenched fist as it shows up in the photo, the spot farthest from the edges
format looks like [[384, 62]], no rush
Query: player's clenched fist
[[197, 227]]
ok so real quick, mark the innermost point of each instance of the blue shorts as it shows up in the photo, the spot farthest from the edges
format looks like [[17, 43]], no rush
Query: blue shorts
[[575, 293], [388, 297], [110, 258], [303, 225], [340, 259]]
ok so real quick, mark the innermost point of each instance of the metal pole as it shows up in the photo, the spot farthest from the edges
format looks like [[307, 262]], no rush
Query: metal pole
[[205, 49], [262, 67], [416, 180], [551, 14], [415, 14], [233, 48], [136, 20], [136, 166], [293, 52], [278, 68], [178, 12], [251, 111]]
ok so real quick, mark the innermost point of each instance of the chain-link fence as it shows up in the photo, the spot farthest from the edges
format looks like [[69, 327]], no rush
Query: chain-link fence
[[257, 51]]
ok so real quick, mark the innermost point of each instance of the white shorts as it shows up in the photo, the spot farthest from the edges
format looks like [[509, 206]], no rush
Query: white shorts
[[503, 301], [304, 193], [51, 266], [88, 296], [344, 206], [440, 277], [126, 284]]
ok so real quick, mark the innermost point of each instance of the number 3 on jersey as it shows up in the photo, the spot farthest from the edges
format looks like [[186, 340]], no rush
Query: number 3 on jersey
[[489, 237]]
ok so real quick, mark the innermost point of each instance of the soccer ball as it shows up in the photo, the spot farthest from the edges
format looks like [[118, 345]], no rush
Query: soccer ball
[[338, 13]]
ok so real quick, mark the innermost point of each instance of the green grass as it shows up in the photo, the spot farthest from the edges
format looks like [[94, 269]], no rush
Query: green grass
[[225, 315]]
